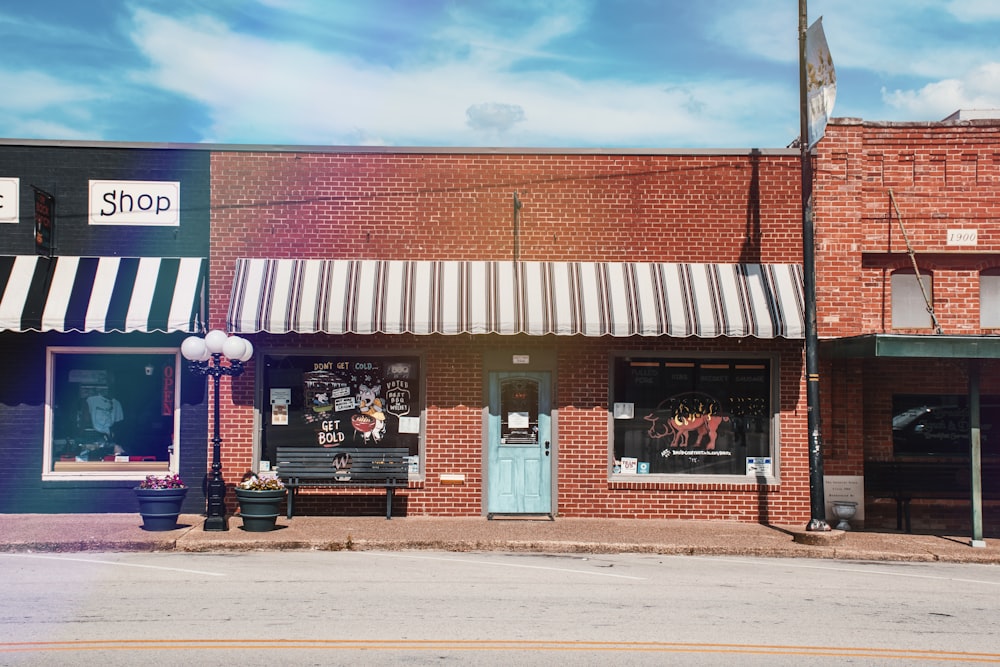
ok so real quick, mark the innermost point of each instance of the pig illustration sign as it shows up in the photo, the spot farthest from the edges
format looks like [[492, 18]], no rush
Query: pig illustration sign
[[345, 401]]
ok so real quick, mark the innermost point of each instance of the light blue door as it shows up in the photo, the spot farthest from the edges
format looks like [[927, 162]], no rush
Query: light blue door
[[519, 466]]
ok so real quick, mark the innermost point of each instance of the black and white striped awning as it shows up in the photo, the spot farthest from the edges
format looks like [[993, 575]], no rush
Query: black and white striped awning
[[102, 294], [504, 297]]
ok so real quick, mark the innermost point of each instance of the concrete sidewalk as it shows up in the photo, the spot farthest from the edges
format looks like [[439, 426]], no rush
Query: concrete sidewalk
[[123, 532]]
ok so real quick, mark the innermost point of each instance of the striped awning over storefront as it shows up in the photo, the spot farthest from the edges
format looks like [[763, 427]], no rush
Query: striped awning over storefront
[[102, 294], [505, 297]]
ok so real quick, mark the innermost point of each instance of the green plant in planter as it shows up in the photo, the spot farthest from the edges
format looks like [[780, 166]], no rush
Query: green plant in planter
[[252, 482], [165, 482], [260, 502], [160, 500]]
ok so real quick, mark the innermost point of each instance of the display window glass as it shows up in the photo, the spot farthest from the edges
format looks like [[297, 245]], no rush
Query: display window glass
[[111, 413], [342, 400], [941, 425], [692, 417]]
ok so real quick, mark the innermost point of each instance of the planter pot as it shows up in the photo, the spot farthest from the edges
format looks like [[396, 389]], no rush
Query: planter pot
[[844, 510], [159, 508], [259, 509]]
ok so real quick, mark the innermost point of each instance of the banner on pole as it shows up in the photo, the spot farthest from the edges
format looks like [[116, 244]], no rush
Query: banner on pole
[[821, 81]]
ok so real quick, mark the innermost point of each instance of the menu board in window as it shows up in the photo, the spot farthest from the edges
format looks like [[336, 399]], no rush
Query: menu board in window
[[342, 401]]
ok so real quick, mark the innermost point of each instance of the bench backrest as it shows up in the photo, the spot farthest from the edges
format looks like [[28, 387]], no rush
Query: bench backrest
[[358, 463], [914, 477]]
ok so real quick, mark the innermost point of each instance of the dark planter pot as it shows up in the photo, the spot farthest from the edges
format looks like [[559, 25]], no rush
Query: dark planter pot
[[259, 509], [160, 508]]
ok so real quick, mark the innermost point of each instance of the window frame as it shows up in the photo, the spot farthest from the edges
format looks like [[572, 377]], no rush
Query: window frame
[[994, 275], [123, 471], [774, 420]]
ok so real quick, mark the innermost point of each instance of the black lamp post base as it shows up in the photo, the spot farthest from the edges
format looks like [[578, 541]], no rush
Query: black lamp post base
[[216, 523]]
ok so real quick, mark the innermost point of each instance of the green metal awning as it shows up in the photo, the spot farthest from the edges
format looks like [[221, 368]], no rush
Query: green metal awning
[[933, 346], [928, 346]]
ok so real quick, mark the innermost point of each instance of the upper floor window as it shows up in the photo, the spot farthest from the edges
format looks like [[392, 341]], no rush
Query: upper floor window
[[909, 307], [989, 298]]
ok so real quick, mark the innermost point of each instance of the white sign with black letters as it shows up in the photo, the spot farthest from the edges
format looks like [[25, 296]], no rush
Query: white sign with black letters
[[10, 201], [135, 203]]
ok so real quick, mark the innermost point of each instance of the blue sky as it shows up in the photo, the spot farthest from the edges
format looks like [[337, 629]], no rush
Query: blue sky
[[564, 73]]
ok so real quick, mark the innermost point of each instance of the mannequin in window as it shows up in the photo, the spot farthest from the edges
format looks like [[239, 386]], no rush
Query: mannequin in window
[[105, 411]]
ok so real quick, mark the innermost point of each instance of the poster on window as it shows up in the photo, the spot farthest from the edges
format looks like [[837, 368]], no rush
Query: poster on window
[[343, 401], [689, 416]]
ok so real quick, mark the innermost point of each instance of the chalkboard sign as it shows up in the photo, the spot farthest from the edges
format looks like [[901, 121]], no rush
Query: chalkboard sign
[[342, 401]]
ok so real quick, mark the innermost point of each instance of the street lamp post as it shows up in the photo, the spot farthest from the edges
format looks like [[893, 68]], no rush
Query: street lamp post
[[207, 356]]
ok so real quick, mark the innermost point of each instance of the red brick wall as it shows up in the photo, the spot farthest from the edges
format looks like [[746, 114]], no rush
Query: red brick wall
[[578, 206], [942, 176]]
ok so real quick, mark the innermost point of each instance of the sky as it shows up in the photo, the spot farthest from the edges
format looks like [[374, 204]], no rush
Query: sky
[[478, 73]]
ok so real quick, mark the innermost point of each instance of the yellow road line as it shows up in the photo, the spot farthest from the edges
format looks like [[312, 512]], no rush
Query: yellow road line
[[494, 645]]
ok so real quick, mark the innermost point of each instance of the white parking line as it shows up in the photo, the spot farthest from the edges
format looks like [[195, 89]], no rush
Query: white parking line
[[512, 565], [855, 570], [111, 562]]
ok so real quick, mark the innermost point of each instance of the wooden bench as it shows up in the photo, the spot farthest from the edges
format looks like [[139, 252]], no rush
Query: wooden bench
[[341, 467], [905, 480]]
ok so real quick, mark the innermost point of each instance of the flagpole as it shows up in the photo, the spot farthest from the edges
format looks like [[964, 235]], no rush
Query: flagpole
[[817, 503]]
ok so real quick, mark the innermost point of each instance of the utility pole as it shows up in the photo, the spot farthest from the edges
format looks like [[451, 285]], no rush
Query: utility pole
[[817, 502]]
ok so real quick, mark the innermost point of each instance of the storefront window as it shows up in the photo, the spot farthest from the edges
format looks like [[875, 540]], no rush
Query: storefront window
[[342, 400], [113, 412], [939, 425], [684, 416]]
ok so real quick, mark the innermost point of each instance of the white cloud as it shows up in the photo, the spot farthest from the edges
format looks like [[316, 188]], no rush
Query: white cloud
[[979, 89], [494, 116], [972, 11], [268, 91], [37, 127], [33, 91]]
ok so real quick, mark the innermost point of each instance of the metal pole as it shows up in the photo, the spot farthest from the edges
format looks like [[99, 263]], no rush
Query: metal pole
[[216, 513], [817, 502], [517, 227], [206, 359], [975, 456]]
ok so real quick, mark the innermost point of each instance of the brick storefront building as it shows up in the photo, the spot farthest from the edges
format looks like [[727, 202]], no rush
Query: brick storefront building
[[631, 286], [574, 333], [92, 310], [894, 201]]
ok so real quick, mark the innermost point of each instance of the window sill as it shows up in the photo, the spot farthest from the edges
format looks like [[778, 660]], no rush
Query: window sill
[[64, 471], [693, 482]]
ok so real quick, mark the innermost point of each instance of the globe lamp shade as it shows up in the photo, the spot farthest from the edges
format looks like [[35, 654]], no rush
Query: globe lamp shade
[[193, 348], [248, 352], [214, 341], [234, 347]]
